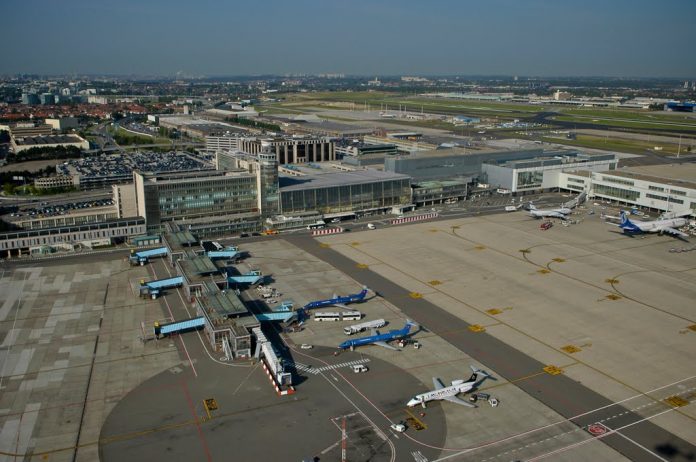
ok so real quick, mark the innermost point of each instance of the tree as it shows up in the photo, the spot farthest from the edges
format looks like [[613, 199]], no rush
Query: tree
[[8, 188]]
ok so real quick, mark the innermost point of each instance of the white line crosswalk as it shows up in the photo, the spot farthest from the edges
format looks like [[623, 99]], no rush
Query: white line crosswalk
[[318, 370]]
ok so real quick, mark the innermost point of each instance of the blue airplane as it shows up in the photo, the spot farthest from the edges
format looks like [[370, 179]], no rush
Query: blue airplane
[[379, 339], [340, 302]]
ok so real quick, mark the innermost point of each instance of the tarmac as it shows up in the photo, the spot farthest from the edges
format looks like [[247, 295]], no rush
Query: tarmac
[[81, 379]]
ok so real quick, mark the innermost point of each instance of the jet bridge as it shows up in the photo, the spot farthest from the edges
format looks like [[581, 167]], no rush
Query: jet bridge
[[251, 278], [273, 364], [154, 288], [178, 327], [143, 256]]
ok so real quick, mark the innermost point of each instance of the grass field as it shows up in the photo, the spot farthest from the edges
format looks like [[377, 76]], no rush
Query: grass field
[[615, 144], [664, 126]]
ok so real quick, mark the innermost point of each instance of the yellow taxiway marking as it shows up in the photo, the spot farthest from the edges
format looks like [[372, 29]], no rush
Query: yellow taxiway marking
[[477, 328], [558, 260], [419, 424], [324, 245], [543, 271], [570, 349], [553, 370], [611, 281], [434, 282], [493, 311], [676, 401], [415, 295], [362, 266]]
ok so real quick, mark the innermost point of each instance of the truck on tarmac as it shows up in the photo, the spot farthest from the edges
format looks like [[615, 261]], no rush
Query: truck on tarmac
[[355, 328]]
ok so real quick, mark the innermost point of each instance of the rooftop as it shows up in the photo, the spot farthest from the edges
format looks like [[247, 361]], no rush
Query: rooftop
[[48, 139], [683, 175], [325, 180]]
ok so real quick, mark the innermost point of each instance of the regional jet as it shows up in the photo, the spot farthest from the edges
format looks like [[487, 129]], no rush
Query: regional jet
[[667, 226], [549, 213], [379, 339], [337, 301], [450, 393]]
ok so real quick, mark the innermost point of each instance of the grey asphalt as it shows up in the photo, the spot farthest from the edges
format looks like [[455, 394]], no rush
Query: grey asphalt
[[164, 417], [560, 393]]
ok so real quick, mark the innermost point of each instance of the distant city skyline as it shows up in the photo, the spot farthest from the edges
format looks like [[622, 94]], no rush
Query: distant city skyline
[[563, 38]]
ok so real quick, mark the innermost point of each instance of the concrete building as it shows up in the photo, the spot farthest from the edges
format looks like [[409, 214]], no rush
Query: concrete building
[[49, 141], [450, 163], [22, 130], [124, 200], [30, 99], [291, 150], [208, 203], [226, 142], [15, 242], [58, 181], [666, 187], [359, 153], [47, 99], [438, 192], [345, 193], [63, 123], [541, 173]]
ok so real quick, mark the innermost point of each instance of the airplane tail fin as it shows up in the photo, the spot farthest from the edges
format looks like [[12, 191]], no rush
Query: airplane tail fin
[[409, 325], [624, 220], [475, 372]]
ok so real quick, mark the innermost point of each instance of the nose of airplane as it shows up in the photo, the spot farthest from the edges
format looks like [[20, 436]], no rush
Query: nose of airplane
[[413, 402]]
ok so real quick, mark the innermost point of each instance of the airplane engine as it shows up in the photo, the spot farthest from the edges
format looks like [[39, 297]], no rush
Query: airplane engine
[[458, 382]]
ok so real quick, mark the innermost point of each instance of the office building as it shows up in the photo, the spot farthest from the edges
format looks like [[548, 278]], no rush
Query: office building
[[206, 202], [30, 99], [541, 173], [345, 193], [360, 153], [47, 99], [291, 150], [664, 187], [50, 141], [62, 123]]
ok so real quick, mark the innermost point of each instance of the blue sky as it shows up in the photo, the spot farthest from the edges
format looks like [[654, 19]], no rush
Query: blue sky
[[632, 38]]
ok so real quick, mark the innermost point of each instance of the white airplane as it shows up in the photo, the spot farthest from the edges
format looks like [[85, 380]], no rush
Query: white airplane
[[668, 226], [450, 393], [549, 213]]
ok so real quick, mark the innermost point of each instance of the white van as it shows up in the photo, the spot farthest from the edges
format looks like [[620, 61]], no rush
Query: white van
[[358, 368], [371, 226]]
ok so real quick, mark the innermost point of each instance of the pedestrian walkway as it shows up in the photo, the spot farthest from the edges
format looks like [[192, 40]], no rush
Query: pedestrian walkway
[[316, 371]]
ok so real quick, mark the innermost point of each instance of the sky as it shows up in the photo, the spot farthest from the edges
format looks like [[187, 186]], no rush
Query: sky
[[623, 38]]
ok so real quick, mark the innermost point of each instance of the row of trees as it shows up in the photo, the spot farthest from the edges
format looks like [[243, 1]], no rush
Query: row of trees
[[45, 153]]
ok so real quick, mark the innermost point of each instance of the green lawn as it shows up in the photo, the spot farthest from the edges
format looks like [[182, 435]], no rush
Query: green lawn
[[617, 144], [612, 122]]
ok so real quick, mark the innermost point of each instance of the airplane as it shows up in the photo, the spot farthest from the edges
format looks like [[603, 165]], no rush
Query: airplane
[[549, 213], [450, 393], [337, 301], [379, 339], [668, 226]]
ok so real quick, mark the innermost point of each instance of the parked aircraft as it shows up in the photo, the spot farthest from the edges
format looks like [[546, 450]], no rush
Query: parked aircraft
[[450, 393], [379, 339], [668, 226], [560, 212], [337, 301], [549, 213]]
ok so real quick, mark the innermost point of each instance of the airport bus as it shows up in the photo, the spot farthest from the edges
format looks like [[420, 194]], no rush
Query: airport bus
[[327, 316], [318, 225], [334, 316]]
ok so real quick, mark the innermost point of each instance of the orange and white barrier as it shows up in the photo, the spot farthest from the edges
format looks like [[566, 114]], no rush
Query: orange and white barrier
[[289, 391], [412, 218], [321, 232]]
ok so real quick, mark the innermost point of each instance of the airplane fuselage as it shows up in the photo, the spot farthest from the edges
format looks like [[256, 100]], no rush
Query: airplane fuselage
[[337, 300], [654, 226], [442, 393], [386, 337]]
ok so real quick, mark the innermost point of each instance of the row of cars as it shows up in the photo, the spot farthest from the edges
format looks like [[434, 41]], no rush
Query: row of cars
[[46, 210]]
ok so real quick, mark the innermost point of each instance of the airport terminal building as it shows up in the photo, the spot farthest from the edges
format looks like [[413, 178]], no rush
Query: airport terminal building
[[669, 187]]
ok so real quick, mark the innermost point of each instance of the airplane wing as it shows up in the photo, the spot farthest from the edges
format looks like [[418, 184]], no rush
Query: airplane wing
[[455, 400], [385, 345], [342, 306], [373, 332], [674, 232], [556, 215], [437, 383]]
